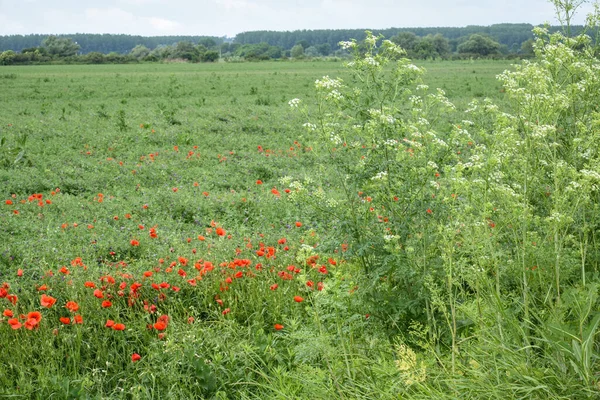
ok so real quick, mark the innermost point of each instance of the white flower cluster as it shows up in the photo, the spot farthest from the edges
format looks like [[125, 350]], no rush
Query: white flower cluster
[[294, 103], [334, 95], [389, 238], [327, 83], [347, 45], [371, 61], [380, 176], [309, 126], [335, 138]]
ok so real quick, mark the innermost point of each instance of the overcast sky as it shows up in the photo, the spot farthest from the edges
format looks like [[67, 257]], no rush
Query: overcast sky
[[228, 17]]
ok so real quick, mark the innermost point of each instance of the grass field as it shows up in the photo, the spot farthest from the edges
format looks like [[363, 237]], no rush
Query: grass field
[[152, 196]]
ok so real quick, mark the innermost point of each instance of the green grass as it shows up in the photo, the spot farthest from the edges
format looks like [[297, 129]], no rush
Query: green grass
[[135, 133]]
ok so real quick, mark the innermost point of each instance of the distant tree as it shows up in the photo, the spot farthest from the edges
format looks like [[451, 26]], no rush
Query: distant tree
[[406, 40], [186, 51], [209, 43], [161, 52], [324, 49], [7, 57], [93, 58], [304, 43], [210, 56], [275, 52], [441, 44], [140, 51], [311, 52], [527, 47], [60, 47], [297, 51], [479, 44]]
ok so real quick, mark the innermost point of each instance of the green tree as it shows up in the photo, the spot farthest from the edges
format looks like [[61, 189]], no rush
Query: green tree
[[527, 47], [210, 56], [7, 57], [479, 44], [297, 51], [60, 47], [406, 40], [324, 49], [140, 51]]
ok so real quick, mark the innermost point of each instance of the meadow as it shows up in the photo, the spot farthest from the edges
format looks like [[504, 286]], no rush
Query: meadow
[[176, 231]]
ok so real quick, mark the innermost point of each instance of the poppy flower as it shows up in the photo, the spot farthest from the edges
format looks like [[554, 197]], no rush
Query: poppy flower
[[160, 326], [278, 327], [109, 323], [259, 182], [65, 320], [298, 299], [220, 231], [106, 304], [19, 272], [78, 319], [134, 242], [8, 313], [226, 311], [98, 293], [135, 357], [87, 284], [47, 301], [72, 306], [14, 323], [33, 320], [298, 224], [118, 327]]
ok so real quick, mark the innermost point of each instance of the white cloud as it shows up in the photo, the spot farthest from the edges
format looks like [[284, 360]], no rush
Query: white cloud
[[164, 25]]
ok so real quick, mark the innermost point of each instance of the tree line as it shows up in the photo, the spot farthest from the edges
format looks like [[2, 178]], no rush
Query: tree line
[[500, 40]]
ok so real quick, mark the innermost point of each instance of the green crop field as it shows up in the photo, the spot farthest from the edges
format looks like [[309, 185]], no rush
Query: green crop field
[[170, 231]]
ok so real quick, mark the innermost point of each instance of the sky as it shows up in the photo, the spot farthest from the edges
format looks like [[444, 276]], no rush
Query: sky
[[229, 17]]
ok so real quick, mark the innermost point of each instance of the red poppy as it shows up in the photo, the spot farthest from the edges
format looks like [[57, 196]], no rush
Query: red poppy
[[98, 293], [135, 357], [118, 327], [298, 299], [47, 301], [19, 272], [78, 319], [298, 224], [134, 242], [259, 182], [160, 326], [65, 320], [109, 323], [278, 327], [89, 284], [8, 313], [14, 323], [220, 231], [106, 304], [226, 311], [33, 319], [72, 306]]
